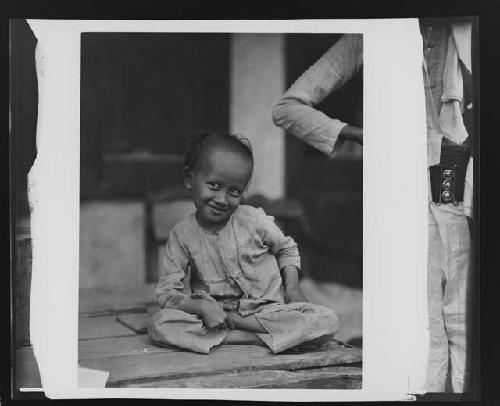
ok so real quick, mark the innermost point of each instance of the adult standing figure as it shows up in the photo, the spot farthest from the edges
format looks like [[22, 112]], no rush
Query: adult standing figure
[[448, 88], [448, 154]]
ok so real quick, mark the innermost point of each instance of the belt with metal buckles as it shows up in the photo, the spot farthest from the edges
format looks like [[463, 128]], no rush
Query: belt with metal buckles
[[448, 178]]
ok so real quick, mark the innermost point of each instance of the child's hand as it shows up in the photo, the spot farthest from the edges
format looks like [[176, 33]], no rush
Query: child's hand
[[294, 294], [212, 314]]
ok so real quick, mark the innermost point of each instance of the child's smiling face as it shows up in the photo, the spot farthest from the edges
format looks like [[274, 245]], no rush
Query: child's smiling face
[[218, 184]]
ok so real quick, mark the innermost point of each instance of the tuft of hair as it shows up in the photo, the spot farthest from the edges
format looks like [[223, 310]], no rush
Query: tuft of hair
[[199, 143]]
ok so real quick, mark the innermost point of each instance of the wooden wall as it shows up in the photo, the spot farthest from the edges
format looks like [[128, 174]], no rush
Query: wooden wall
[[141, 94]]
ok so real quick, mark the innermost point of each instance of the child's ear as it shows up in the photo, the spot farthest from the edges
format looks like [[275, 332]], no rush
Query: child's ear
[[244, 194]]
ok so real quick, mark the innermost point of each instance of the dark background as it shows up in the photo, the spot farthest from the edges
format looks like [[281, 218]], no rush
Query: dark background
[[141, 94]]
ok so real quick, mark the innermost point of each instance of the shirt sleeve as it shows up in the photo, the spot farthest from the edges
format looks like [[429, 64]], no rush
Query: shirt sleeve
[[295, 111], [172, 273], [283, 247]]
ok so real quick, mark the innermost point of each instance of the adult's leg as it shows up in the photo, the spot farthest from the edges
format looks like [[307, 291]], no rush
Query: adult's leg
[[437, 366], [456, 240]]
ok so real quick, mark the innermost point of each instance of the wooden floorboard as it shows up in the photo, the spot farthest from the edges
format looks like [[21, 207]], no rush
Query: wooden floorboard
[[133, 361], [137, 322], [101, 327], [338, 377], [125, 370], [104, 348], [111, 312]]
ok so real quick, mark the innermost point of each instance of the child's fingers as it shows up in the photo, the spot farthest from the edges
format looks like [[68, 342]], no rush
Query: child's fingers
[[214, 325], [217, 321], [221, 326]]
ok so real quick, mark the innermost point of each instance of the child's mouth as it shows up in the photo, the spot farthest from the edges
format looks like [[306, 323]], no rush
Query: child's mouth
[[217, 210]]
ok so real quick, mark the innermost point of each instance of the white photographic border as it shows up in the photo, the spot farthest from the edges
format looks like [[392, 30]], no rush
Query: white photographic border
[[395, 327]]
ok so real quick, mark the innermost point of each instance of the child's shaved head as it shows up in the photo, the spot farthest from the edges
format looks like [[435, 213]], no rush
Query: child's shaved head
[[200, 145]]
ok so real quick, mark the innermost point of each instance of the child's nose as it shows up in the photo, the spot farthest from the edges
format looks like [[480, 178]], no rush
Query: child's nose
[[221, 197]]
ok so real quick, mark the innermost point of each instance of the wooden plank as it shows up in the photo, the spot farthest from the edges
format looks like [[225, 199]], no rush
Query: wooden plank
[[138, 322], [118, 347], [111, 347], [173, 365], [27, 374], [111, 312], [100, 327], [338, 377]]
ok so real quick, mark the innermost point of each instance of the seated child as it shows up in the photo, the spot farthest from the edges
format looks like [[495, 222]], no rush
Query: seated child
[[229, 274]]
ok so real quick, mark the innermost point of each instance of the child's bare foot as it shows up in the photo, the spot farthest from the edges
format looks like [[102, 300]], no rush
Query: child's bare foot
[[242, 337]]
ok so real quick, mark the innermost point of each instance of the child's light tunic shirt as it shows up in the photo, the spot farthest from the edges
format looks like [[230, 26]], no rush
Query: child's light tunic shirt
[[241, 260]]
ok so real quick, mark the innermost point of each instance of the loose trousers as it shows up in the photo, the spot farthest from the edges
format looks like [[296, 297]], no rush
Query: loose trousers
[[448, 267], [287, 325]]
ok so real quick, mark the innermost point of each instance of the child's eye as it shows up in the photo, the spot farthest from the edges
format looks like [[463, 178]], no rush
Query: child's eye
[[235, 193], [213, 185]]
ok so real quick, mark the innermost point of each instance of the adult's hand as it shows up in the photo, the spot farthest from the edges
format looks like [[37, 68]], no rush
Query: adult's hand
[[353, 133]]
